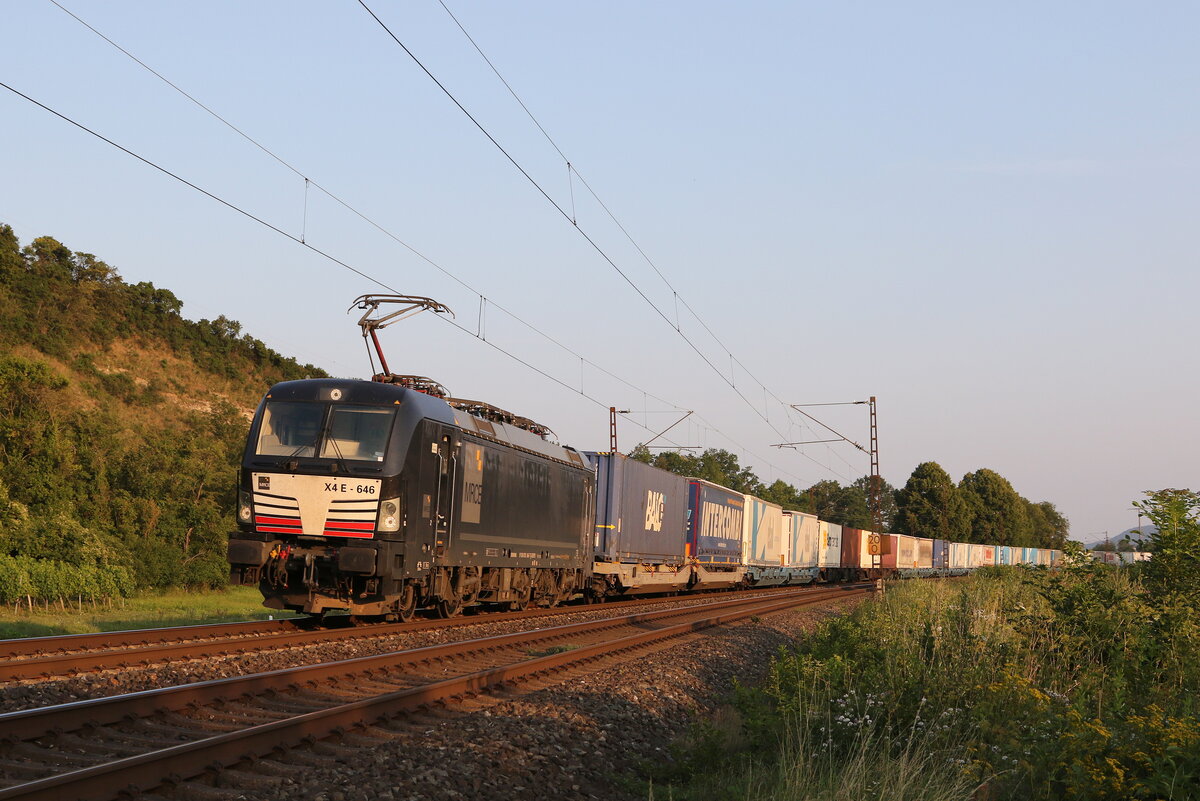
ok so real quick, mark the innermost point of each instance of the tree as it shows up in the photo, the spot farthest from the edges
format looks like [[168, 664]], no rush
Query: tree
[[1049, 528], [824, 500], [1057, 529], [998, 513], [887, 502], [715, 465], [10, 253], [929, 505], [1175, 569], [785, 495], [48, 257], [851, 507]]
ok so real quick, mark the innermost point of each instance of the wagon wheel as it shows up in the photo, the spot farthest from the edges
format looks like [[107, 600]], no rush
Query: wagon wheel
[[449, 608], [522, 603]]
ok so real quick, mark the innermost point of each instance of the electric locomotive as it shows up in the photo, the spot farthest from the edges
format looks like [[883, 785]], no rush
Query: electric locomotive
[[381, 497]]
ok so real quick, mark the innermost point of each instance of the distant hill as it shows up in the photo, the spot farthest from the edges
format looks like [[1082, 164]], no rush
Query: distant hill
[[121, 427], [1125, 540]]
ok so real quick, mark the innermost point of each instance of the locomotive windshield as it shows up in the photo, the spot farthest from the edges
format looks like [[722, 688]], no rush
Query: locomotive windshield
[[356, 432], [299, 430], [290, 429]]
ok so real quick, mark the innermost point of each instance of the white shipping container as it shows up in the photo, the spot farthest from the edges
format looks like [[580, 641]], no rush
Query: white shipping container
[[924, 553], [829, 547], [785, 540], [805, 531], [762, 533], [960, 556]]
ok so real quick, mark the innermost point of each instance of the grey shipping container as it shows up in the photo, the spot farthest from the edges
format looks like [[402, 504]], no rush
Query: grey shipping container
[[641, 512]]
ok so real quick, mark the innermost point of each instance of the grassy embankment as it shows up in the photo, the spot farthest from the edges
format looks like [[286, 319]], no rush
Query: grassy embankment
[[1013, 684], [150, 610]]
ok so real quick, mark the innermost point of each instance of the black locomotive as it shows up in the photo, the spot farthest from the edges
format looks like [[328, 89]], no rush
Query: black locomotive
[[380, 497]]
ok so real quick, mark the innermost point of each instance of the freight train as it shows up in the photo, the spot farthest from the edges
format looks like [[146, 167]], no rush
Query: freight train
[[387, 496]]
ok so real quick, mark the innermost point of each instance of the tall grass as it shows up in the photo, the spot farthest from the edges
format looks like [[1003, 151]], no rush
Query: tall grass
[[1014, 683]]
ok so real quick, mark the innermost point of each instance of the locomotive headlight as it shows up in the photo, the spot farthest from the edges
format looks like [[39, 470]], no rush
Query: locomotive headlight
[[245, 509], [389, 515]]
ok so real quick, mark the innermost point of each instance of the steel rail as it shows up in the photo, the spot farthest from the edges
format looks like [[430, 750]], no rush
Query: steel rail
[[176, 763], [159, 646], [37, 646], [28, 724]]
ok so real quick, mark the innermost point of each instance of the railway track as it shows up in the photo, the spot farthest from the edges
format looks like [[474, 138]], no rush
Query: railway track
[[101, 748], [56, 657]]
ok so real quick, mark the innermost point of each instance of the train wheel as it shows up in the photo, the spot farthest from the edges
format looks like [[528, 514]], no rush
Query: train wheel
[[448, 609], [315, 619], [522, 603], [407, 605]]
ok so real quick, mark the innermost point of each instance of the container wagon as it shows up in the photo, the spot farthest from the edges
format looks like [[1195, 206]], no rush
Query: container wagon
[[804, 532], [715, 521], [640, 542], [762, 542]]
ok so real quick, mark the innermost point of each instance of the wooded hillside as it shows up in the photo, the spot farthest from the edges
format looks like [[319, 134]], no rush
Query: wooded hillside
[[121, 427]]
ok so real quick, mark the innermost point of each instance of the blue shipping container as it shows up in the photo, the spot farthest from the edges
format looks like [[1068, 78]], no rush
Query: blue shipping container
[[641, 512], [941, 554], [714, 523]]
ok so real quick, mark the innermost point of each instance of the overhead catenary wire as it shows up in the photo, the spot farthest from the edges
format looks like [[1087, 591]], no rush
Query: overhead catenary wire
[[328, 256], [308, 181], [563, 212], [484, 301], [571, 168]]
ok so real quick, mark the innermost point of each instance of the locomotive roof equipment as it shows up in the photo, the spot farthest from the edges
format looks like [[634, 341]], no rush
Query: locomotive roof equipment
[[410, 305]]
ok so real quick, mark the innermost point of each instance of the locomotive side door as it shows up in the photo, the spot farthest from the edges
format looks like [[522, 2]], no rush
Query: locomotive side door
[[445, 450]]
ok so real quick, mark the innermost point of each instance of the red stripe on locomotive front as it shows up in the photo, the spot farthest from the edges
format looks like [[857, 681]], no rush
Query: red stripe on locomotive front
[[358, 534], [277, 521], [364, 525]]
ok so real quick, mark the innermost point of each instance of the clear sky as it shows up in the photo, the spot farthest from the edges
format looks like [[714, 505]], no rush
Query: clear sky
[[983, 214]]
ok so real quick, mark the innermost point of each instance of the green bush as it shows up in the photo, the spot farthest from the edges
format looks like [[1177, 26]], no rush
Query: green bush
[[1078, 683], [45, 580]]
